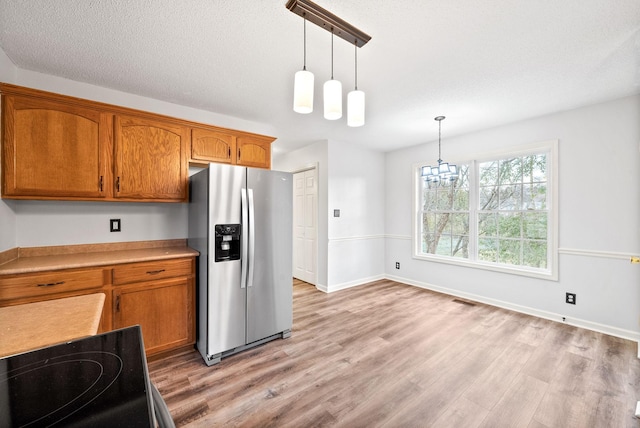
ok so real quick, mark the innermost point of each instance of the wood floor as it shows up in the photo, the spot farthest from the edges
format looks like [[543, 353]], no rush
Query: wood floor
[[391, 355]]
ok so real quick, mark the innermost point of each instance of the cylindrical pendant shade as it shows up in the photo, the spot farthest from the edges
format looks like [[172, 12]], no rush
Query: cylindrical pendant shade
[[303, 92], [355, 108], [332, 99]]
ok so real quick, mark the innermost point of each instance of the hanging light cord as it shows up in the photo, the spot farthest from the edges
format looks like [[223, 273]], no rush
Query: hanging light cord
[[304, 55], [439, 149], [356, 67], [331, 53]]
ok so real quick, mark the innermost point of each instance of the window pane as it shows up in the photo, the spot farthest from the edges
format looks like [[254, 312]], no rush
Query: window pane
[[488, 173], [539, 168], [510, 171], [488, 198], [488, 249], [534, 225], [460, 246], [510, 197], [460, 224], [461, 200], [445, 199], [444, 245], [429, 199], [535, 254], [443, 223], [462, 182], [509, 251], [509, 225], [534, 196], [487, 225], [428, 243], [428, 223]]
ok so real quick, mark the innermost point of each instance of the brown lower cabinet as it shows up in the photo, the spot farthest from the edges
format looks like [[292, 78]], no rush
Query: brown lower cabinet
[[161, 308], [158, 295]]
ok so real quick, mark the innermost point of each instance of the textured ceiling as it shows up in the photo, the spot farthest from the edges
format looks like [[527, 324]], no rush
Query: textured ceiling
[[480, 63]]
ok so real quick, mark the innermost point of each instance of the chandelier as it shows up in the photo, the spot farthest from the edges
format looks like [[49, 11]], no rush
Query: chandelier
[[443, 173]]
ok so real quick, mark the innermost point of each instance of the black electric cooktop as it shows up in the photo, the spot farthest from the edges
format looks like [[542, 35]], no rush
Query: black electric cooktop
[[99, 381]]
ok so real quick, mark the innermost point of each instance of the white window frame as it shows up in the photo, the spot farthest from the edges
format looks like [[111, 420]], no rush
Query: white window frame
[[551, 271]]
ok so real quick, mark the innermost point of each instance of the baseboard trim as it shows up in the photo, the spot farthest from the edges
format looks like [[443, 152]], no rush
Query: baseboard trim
[[576, 322], [351, 284]]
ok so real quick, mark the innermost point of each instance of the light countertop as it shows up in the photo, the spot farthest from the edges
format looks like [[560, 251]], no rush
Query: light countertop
[[41, 259], [35, 325]]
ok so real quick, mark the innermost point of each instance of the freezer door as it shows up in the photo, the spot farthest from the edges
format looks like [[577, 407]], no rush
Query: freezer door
[[226, 311], [270, 289]]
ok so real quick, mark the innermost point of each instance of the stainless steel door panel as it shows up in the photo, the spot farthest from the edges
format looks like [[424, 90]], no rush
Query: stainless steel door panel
[[270, 299], [226, 321]]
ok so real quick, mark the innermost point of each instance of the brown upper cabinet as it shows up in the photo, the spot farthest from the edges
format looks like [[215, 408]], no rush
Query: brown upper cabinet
[[54, 150], [232, 147], [212, 146], [66, 148], [150, 160], [254, 151]]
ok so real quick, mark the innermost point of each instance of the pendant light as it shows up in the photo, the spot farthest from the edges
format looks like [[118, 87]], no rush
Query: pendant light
[[355, 100], [303, 84], [332, 93], [443, 173]]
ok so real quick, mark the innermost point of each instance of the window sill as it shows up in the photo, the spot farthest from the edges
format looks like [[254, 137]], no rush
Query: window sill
[[546, 274]]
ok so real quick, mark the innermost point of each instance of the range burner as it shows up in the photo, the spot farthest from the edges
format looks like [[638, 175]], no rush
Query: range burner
[[98, 381]]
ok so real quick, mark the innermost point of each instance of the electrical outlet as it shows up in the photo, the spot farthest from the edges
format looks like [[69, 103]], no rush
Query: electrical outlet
[[397, 265], [114, 225], [570, 298]]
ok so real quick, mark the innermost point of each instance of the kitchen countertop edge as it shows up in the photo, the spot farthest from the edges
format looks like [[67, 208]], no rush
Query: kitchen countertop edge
[[66, 257]]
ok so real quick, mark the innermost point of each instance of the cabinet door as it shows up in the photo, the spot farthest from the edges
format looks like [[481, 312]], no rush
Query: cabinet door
[[212, 146], [54, 150], [163, 309], [150, 159], [254, 151]]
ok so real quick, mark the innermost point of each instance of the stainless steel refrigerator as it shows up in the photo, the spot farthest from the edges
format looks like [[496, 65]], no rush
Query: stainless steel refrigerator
[[240, 220]]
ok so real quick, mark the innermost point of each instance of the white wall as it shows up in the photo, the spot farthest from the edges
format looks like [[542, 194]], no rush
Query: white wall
[[351, 179], [43, 223], [7, 215], [356, 238], [312, 155], [599, 219]]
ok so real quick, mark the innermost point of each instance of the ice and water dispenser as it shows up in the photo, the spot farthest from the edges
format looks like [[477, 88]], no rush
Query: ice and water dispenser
[[227, 242]]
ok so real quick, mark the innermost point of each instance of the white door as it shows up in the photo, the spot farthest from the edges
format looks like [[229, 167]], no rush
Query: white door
[[305, 229]]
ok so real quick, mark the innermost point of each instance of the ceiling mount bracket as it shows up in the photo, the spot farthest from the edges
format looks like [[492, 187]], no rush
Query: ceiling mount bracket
[[330, 22]]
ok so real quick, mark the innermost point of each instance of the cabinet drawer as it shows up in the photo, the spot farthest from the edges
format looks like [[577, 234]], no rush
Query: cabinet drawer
[[44, 283], [148, 271]]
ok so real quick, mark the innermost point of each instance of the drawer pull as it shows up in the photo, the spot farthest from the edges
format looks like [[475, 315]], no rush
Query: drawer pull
[[155, 272], [51, 284]]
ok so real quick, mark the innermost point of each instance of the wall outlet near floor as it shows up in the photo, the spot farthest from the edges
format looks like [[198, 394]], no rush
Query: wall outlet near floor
[[570, 298], [397, 265], [114, 225]]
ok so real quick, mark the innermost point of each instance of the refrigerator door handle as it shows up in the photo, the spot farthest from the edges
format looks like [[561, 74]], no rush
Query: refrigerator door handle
[[252, 239], [245, 237]]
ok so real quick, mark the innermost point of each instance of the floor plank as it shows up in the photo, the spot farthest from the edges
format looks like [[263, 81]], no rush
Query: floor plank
[[386, 354]]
